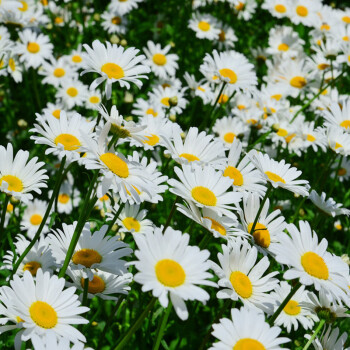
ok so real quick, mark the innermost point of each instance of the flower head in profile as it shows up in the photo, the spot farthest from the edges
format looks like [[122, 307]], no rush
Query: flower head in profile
[[329, 206]]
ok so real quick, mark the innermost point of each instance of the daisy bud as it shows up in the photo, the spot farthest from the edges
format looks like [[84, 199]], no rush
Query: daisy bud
[[183, 135], [172, 118], [129, 118], [97, 17], [49, 26], [102, 213], [114, 39], [94, 323], [123, 42], [345, 258], [22, 123], [275, 127], [173, 101], [128, 98], [13, 200]]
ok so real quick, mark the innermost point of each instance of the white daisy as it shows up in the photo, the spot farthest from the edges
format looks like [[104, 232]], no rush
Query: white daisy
[[337, 116], [112, 22], [204, 25], [123, 6], [329, 206], [329, 340], [72, 92]]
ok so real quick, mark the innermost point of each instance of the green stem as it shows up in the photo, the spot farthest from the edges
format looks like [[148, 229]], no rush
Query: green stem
[[336, 175], [35, 87], [260, 139], [116, 216], [319, 327], [269, 189], [205, 240], [284, 303], [43, 222], [80, 225], [136, 325], [3, 214], [85, 292], [161, 327], [211, 122], [170, 214], [63, 177]]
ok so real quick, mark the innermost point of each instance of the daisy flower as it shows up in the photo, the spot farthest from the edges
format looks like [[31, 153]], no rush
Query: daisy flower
[[329, 339], [93, 251], [63, 135], [336, 116], [147, 108], [54, 109], [113, 23], [33, 48], [161, 62], [242, 278], [277, 8], [103, 284], [279, 174], [205, 26], [338, 140], [232, 68], [310, 262], [197, 147], [329, 206], [114, 63], [201, 89], [168, 265], [123, 6], [344, 170], [206, 188], [227, 37], [15, 69], [67, 199], [247, 330], [72, 92], [304, 11], [17, 177], [93, 99], [39, 257], [33, 216], [45, 307], [293, 313], [246, 178]]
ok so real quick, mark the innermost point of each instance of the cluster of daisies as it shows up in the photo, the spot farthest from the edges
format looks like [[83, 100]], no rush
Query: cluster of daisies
[[223, 174]]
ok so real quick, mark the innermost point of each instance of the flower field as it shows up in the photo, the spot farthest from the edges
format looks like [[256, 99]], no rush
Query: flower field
[[174, 174]]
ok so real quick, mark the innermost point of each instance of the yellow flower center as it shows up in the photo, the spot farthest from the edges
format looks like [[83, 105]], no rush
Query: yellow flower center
[[314, 265], [104, 198], [9, 208], [131, 223], [338, 145], [56, 113], [97, 285], [24, 7], [283, 47], [346, 19], [345, 38], [239, 6], [298, 82], [345, 124], [248, 344], [69, 142], [310, 138], [32, 267], [216, 226], [203, 26], [18, 319], [228, 73], [342, 172], [241, 284], [240, 107], [274, 177], [292, 308], [282, 132], [223, 98], [159, 59], [116, 20], [76, 59], [86, 257], [222, 36], [234, 174], [302, 11], [33, 47], [59, 20], [204, 196], [229, 137], [189, 157], [36, 219], [276, 97], [94, 99], [12, 64], [59, 72], [280, 8], [151, 140], [322, 66], [15, 184], [165, 101], [200, 88], [43, 314], [113, 71], [325, 27], [261, 234], [63, 198], [72, 91], [115, 164], [290, 137], [151, 111], [170, 273]]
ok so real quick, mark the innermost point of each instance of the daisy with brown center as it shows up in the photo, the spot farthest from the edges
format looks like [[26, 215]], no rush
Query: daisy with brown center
[[205, 26], [33, 216], [197, 147], [114, 63], [63, 135], [113, 22], [162, 63], [168, 266], [279, 174], [242, 277], [44, 306], [17, 177], [206, 188], [310, 262], [293, 313], [39, 257], [93, 251], [104, 285], [33, 48], [245, 330]]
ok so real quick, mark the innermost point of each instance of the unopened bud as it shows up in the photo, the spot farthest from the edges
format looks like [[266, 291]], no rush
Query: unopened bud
[[114, 39], [183, 135], [172, 117], [97, 17], [123, 42], [346, 259], [22, 123], [128, 98], [275, 127], [173, 101], [13, 200]]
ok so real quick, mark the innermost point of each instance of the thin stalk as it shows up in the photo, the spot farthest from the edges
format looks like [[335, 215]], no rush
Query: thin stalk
[[336, 175], [35, 87], [43, 222], [205, 240], [136, 325], [261, 208], [211, 122], [116, 216], [170, 214], [319, 327], [85, 292], [79, 228], [3, 214], [260, 139], [63, 177], [284, 303], [161, 327]]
